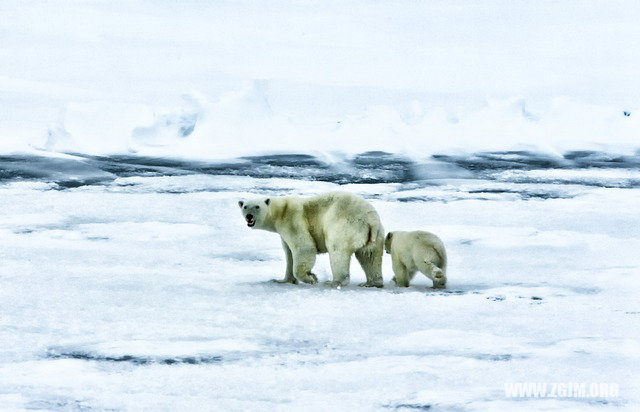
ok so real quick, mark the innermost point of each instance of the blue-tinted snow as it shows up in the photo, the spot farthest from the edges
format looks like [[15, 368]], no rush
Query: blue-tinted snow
[[585, 168]]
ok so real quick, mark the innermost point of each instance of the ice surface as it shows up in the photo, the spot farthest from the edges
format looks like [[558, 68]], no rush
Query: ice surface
[[147, 291]]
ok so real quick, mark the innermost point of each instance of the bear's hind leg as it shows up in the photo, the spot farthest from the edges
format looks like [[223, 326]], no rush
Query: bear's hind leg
[[434, 273], [371, 262], [340, 262]]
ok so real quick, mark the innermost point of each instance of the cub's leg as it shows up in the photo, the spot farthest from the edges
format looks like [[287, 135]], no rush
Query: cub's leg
[[434, 273], [402, 275], [288, 276]]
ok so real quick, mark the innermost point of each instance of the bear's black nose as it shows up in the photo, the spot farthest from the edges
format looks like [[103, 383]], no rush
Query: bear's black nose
[[249, 217]]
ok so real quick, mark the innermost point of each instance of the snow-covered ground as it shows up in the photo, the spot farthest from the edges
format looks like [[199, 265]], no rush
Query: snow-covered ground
[[168, 78], [149, 291], [130, 129]]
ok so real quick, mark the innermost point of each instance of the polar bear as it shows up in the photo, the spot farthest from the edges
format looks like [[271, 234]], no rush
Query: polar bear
[[339, 223], [417, 251]]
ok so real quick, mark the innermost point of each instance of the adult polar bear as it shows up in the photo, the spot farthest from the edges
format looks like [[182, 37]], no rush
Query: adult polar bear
[[339, 223]]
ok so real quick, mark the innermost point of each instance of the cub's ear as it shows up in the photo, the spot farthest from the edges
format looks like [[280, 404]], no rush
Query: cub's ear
[[267, 201], [241, 203]]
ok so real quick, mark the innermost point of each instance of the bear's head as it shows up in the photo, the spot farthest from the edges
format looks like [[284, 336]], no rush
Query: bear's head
[[387, 242], [254, 212]]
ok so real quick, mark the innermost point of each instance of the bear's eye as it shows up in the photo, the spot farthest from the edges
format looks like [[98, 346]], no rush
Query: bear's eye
[[245, 207], [257, 207]]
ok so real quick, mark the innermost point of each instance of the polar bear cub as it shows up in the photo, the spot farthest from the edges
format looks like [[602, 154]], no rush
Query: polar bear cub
[[337, 223], [417, 251]]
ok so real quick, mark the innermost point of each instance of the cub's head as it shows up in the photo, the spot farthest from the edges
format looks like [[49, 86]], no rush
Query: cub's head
[[387, 242], [254, 211]]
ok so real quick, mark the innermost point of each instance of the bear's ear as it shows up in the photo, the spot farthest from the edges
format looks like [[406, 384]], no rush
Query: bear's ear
[[241, 203], [267, 201]]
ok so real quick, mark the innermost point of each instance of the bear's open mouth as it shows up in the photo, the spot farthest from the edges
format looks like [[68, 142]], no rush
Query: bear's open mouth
[[251, 223]]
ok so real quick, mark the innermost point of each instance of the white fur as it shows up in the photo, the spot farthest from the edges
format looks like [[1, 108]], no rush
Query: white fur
[[337, 222], [417, 251]]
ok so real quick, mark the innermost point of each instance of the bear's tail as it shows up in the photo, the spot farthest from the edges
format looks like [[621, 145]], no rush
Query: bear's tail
[[372, 235], [374, 225], [442, 256]]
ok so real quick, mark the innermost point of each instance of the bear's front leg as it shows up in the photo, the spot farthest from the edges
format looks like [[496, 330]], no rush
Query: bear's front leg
[[402, 276], [303, 261], [288, 276]]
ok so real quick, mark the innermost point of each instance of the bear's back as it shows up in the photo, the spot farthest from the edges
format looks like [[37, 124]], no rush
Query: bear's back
[[338, 205]]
